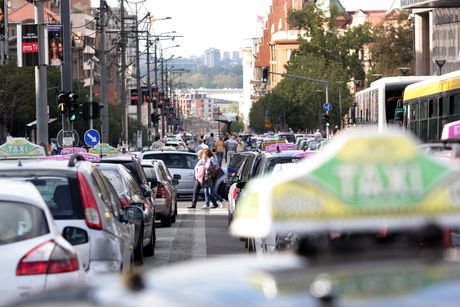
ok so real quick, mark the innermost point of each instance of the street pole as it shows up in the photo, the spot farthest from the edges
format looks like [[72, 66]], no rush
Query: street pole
[[102, 58], [91, 81], [41, 100], [66, 68], [4, 40], [149, 101], [340, 105], [156, 84], [124, 116], [163, 131], [139, 90]]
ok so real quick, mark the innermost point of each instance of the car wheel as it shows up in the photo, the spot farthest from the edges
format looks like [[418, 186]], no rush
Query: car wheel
[[166, 220], [173, 218], [139, 250], [149, 250]]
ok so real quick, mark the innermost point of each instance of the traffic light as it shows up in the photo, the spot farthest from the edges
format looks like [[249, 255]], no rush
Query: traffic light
[[73, 106], [326, 119], [265, 75], [62, 102], [96, 109]]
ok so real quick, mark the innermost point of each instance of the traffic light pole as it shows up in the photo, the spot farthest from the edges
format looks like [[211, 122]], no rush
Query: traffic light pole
[[139, 90], [41, 100], [102, 58], [124, 116], [149, 102], [66, 69], [322, 82]]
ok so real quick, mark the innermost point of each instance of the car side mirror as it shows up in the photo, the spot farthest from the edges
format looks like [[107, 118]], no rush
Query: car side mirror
[[240, 185], [75, 235], [175, 181], [177, 176], [154, 183], [146, 190], [133, 214]]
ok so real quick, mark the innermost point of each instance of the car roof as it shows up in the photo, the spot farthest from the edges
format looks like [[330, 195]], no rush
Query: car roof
[[41, 164], [287, 153], [166, 152], [21, 191], [118, 158]]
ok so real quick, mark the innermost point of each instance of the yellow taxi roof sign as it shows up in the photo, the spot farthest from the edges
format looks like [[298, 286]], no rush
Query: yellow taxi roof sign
[[21, 148], [360, 178]]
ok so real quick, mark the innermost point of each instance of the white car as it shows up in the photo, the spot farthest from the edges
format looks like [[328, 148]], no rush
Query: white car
[[34, 256]]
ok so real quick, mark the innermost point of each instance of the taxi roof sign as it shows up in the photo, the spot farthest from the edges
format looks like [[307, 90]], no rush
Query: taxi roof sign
[[105, 149], [363, 179], [21, 148], [451, 131]]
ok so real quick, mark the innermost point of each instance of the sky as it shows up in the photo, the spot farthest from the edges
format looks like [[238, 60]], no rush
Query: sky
[[223, 24]]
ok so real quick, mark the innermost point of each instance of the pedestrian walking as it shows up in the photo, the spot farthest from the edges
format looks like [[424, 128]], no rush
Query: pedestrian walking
[[217, 175], [200, 173], [201, 145], [230, 146], [241, 146], [211, 142], [220, 150]]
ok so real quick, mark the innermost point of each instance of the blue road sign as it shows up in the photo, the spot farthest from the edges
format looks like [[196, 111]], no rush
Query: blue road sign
[[327, 107], [92, 137]]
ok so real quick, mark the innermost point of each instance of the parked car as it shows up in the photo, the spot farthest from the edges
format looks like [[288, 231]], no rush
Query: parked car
[[78, 195], [178, 163], [34, 256], [164, 189], [133, 165], [129, 192]]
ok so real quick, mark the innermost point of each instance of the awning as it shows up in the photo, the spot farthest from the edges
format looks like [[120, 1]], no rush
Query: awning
[[35, 122], [415, 4]]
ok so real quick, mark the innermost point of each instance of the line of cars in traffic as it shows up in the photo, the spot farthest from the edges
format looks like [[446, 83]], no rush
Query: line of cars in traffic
[[377, 220], [65, 214]]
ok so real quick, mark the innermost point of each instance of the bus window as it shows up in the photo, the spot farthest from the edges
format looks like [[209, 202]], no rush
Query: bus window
[[432, 108], [456, 107], [423, 109], [445, 106], [433, 129], [423, 133]]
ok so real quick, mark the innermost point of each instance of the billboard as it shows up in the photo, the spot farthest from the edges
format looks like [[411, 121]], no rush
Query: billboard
[[55, 47], [2, 19], [27, 46]]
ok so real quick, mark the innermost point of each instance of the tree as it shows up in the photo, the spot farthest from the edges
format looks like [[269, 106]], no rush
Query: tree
[[392, 46]]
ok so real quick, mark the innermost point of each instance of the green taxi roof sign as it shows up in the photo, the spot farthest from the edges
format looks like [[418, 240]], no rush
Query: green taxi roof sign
[[21, 148], [361, 178], [105, 149]]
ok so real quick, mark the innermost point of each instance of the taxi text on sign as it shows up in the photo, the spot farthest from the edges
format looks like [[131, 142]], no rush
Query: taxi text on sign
[[20, 147], [359, 178]]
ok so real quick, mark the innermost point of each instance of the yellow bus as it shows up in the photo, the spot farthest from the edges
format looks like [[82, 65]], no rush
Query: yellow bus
[[431, 104]]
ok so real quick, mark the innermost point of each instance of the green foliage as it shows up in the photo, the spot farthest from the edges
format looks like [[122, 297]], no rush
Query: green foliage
[[215, 77], [392, 47], [323, 54]]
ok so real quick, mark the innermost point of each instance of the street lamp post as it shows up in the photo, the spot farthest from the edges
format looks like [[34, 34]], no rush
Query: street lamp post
[[339, 83], [440, 64], [318, 93]]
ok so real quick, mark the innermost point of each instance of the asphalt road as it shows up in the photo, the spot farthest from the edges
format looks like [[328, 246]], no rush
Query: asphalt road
[[197, 233]]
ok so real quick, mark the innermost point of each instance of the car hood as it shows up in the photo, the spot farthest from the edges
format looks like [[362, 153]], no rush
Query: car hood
[[285, 280]]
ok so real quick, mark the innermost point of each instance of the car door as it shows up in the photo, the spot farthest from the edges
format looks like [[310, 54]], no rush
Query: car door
[[124, 231]]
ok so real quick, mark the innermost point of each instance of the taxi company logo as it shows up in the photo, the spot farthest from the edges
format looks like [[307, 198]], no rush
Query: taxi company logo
[[371, 181]]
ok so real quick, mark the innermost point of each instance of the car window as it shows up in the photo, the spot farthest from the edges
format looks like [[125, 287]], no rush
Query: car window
[[170, 160], [163, 173], [104, 194], [112, 197], [115, 179], [60, 194], [236, 162], [272, 162], [150, 173], [19, 222], [191, 161], [133, 184], [163, 166]]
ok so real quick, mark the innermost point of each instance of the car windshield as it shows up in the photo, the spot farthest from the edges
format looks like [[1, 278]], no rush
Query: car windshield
[[19, 222], [171, 160]]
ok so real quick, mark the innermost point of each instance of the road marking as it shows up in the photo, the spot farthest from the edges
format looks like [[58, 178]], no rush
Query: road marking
[[199, 235]]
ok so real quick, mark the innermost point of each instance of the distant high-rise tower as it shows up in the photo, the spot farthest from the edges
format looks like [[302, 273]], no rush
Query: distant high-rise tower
[[211, 57], [236, 56]]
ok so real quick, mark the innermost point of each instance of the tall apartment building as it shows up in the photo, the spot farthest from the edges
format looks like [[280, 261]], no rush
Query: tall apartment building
[[211, 57]]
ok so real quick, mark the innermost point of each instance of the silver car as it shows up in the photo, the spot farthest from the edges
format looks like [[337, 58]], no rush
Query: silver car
[[178, 163], [79, 196]]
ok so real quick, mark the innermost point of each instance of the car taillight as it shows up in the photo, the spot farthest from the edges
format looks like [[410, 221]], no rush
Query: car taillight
[[47, 258], [92, 216], [125, 201], [235, 193], [161, 192]]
